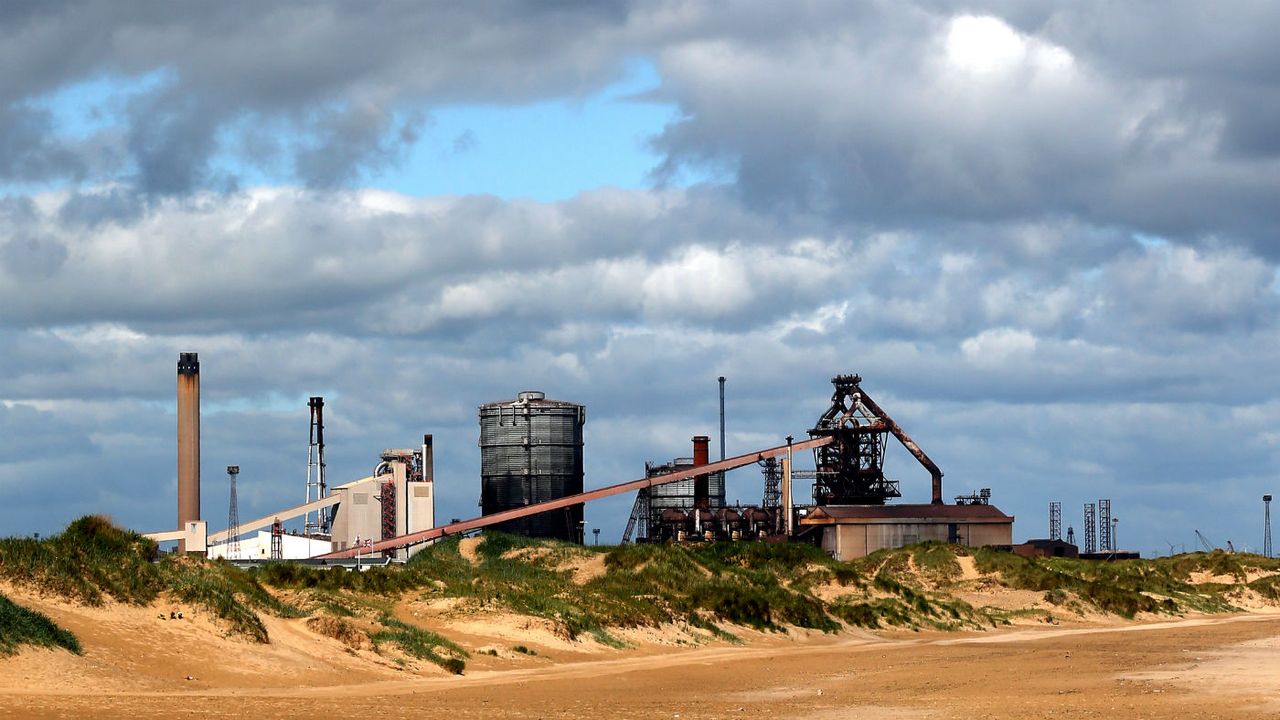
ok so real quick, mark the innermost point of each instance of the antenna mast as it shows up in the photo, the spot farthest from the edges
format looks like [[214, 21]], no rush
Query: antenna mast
[[1266, 527], [233, 517], [317, 488]]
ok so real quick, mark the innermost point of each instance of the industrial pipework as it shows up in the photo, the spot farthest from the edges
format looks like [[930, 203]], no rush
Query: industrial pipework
[[462, 526]]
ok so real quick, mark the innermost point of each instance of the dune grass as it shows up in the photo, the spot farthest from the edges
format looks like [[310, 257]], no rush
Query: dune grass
[[419, 643], [93, 561], [703, 586], [22, 626]]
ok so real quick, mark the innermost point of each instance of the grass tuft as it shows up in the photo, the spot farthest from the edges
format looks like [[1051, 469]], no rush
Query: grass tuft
[[22, 626], [419, 643]]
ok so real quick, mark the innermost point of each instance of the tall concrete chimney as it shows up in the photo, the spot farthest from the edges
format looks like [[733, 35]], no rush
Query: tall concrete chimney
[[188, 441]]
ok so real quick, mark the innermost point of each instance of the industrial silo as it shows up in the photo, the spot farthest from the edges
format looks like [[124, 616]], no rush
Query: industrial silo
[[531, 452]]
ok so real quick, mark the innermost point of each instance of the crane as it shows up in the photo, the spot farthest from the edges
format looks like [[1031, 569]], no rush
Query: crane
[[1204, 542]]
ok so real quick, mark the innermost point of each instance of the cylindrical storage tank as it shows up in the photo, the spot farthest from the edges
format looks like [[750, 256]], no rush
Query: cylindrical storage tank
[[531, 452]]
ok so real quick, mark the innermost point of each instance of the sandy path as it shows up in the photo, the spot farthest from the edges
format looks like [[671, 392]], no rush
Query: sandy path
[[1181, 669]]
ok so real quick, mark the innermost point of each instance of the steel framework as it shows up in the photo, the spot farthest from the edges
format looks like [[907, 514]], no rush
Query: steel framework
[[772, 484], [850, 469], [462, 526], [1104, 527], [317, 487], [1090, 528], [1055, 520], [1071, 535], [638, 523], [233, 517]]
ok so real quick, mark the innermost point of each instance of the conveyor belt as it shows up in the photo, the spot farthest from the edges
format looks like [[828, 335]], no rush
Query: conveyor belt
[[558, 503]]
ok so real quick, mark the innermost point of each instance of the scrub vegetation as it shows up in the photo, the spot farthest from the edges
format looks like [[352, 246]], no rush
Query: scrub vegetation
[[709, 590], [93, 562], [21, 626]]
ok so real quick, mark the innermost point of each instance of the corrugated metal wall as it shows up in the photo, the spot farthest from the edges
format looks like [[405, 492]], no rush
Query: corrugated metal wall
[[530, 452]]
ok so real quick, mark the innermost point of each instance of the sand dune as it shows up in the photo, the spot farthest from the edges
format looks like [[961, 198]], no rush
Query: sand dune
[[140, 664]]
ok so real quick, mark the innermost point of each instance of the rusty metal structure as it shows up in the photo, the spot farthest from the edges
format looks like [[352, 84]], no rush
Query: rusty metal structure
[[188, 441], [387, 500], [484, 521], [850, 468], [654, 513], [277, 539]]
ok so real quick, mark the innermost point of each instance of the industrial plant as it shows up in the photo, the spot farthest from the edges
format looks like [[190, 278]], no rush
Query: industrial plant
[[531, 483]]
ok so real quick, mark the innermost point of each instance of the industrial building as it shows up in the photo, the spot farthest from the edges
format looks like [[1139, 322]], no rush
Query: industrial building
[[531, 483], [398, 498], [851, 531], [265, 545], [694, 505], [851, 518]]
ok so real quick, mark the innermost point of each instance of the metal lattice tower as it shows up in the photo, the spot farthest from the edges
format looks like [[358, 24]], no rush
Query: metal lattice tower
[[1071, 535], [1090, 528], [1104, 527], [850, 470], [638, 523], [317, 488], [772, 484], [1266, 526], [233, 517], [1055, 520]]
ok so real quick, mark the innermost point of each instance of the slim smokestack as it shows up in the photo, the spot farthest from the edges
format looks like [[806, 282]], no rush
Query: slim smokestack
[[701, 483], [701, 450], [721, 417], [188, 441], [428, 459]]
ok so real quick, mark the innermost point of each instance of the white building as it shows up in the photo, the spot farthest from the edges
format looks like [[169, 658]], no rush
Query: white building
[[258, 547]]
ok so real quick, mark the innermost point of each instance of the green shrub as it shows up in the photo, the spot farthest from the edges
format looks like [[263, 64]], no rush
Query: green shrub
[[22, 626], [419, 643]]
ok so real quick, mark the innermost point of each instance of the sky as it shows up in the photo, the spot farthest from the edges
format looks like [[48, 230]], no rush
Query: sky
[[1046, 234]]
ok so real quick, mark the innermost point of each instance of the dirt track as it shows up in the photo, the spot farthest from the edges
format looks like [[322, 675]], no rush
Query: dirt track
[[1211, 668]]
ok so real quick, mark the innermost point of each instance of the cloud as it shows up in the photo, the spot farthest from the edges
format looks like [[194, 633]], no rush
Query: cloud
[[1044, 234], [920, 117]]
